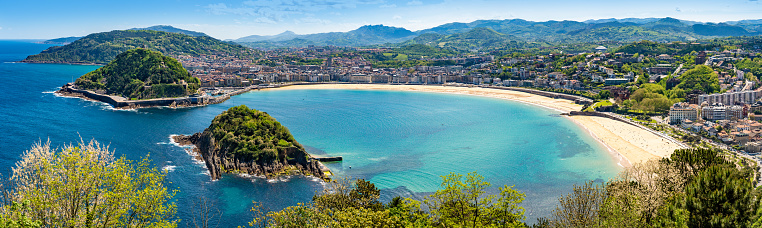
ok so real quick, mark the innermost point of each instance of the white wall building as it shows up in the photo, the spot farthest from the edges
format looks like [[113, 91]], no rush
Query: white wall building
[[680, 112]]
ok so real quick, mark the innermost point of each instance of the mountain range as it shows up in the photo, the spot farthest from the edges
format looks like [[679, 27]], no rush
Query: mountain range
[[518, 31], [101, 48], [480, 35]]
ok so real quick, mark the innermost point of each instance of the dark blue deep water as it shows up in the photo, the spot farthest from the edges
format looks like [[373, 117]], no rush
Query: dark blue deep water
[[401, 141]]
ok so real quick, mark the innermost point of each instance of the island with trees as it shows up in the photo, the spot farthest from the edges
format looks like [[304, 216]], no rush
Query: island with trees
[[247, 141], [138, 78]]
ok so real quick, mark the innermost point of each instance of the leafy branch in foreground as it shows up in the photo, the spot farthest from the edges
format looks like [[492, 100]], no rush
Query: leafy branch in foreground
[[460, 203], [86, 186]]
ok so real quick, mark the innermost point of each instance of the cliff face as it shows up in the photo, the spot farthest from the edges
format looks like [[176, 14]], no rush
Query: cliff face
[[289, 161]]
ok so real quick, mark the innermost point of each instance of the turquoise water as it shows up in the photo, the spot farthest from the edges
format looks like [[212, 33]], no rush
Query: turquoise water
[[401, 141]]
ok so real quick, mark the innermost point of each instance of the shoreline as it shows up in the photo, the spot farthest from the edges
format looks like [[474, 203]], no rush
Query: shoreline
[[59, 62], [121, 103], [626, 144], [627, 147]]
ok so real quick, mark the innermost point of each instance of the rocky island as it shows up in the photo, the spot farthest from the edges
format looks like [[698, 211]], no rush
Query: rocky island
[[243, 140]]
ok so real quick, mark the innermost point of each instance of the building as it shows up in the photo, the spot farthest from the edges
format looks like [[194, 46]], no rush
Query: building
[[719, 111], [683, 111], [745, 97]]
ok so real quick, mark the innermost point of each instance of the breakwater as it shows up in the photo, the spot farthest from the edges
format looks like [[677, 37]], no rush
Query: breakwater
[[123, 103]]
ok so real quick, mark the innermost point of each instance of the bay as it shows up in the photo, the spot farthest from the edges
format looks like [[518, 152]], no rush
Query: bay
[[401, 141]]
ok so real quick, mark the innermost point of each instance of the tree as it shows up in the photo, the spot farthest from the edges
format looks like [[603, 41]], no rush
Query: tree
[[203, 214], [346, 204], [720, 197], [690, 162], [701, 78], [86, 186], [341, 194], [462, 204], [580, 207], [604, 95]]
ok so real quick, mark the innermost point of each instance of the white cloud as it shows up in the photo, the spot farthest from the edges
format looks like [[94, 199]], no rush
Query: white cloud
[[415, 3], [397, 17], [388, 6], [1, 28]]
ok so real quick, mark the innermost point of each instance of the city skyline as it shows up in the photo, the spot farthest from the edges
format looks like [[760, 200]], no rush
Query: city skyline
[[235, 19]]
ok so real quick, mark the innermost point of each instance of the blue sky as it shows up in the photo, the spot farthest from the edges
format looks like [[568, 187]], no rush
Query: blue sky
[[33, 19]]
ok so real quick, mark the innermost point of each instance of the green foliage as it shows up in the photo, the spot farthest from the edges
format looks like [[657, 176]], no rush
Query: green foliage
[[646, 47], [484, 39], [342, 195], [651, 98], [101, 48], [142, 74], [250, 134], [417, 51], [458, 204], [345, 204], [752, 67], [701, 78], [85, 186], [462, 203], [720, 197], [692, 161], [13, 216], [580, 207], [604, 94], [691, 188]]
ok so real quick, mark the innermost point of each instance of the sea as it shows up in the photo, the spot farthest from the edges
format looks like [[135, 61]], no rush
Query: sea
[[403, 142]]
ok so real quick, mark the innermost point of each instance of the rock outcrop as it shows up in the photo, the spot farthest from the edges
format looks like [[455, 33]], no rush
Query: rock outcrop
[[290, 161]]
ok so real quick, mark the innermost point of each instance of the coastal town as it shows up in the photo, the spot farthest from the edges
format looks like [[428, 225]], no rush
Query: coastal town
[[381, 114], [605, 81]]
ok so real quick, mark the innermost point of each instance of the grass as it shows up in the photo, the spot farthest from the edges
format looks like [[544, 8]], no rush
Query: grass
[[599, 104]]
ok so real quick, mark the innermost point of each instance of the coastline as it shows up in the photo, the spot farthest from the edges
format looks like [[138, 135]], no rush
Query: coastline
[[626, 144], [122, 103], [59, 62]]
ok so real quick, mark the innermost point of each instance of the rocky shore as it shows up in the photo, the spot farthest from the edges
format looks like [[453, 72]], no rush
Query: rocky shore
[[291, 161]]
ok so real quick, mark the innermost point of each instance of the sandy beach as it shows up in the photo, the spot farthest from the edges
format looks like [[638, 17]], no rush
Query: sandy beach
[[627, 144]]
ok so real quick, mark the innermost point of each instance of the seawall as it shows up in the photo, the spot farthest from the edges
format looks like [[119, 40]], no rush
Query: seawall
[[122, 103]]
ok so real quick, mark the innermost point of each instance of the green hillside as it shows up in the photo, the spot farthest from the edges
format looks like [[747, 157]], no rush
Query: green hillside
[[101, 48], [250, 135], [142, 74]]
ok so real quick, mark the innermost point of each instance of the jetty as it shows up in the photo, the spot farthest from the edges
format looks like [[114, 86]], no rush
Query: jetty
[[327, 158]]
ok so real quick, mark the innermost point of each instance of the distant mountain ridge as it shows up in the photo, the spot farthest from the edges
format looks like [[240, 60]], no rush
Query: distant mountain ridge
[[519, 30], [101, 48], [162, 28], [62, 40], [365, 35]]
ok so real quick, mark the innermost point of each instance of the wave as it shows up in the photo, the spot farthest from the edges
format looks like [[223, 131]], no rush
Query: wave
[[169, 168]]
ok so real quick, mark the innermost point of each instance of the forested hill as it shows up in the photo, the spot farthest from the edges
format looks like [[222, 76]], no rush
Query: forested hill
[[243, 140], [101, 48], [142, 74]]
